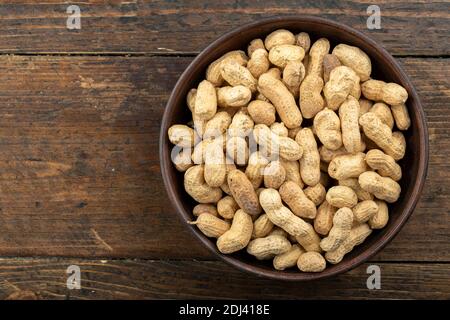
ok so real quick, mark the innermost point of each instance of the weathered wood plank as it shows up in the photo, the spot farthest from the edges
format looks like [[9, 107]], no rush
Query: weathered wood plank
[[125, 279], [79, 167], [408, 27]]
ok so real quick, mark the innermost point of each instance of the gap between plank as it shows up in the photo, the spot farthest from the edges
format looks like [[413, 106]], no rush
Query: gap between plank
[[167, 54], [103, 54], [61, 258]]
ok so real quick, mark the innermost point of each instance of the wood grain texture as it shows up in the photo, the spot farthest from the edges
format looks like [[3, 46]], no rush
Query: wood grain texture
[[79, 167], [407, 27], [125, 279]]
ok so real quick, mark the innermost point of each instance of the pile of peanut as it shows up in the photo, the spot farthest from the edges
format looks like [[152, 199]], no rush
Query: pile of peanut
[[296, 183]]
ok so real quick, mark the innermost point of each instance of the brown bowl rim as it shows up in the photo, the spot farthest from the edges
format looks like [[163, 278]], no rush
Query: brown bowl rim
[[165, 162]]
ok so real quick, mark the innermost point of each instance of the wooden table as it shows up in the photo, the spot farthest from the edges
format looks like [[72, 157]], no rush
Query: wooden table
[[80, 180]]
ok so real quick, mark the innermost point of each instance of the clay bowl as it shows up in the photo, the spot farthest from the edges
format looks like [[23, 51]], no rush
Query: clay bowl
[[385, 67]]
